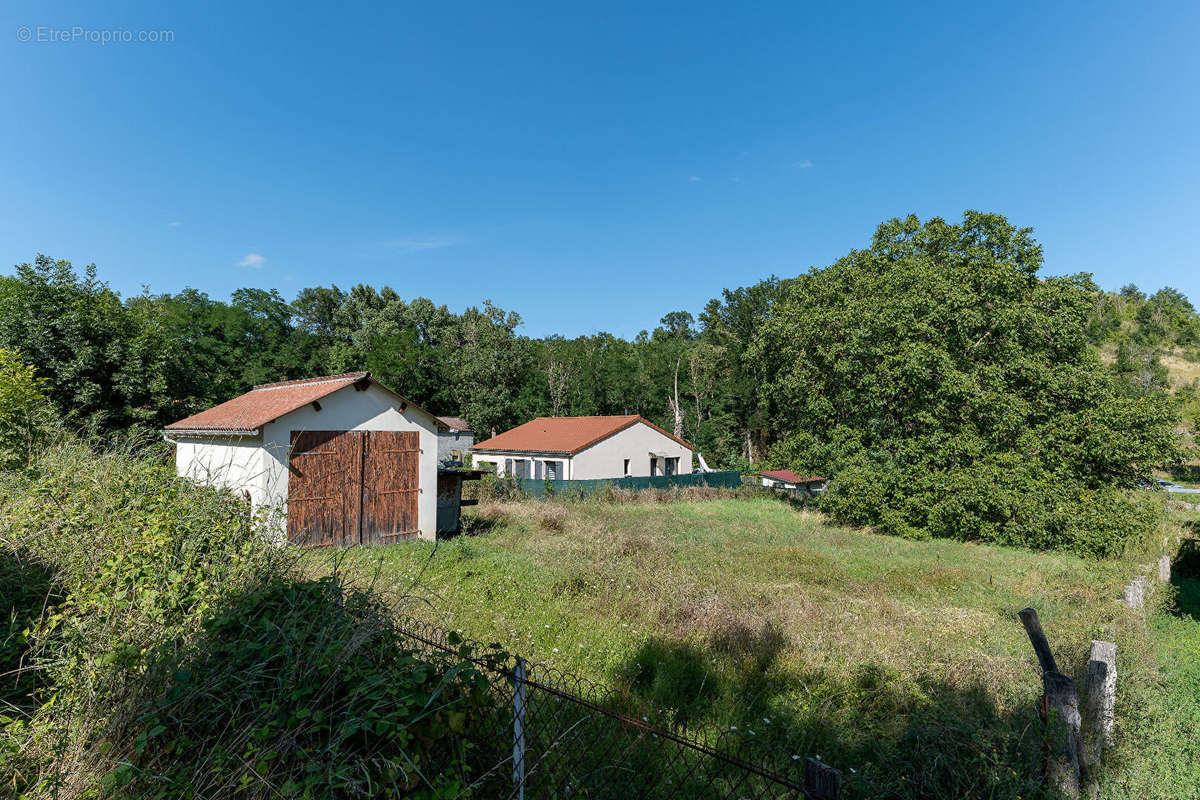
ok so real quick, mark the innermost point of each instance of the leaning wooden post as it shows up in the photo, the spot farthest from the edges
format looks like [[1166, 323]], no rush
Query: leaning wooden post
[[1062, 699], [1033, 627], [1059, 709]]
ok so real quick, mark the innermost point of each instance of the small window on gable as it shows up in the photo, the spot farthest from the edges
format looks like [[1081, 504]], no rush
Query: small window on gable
[[626, 467]]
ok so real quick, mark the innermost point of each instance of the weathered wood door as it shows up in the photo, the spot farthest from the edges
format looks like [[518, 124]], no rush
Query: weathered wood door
[[390, 489], [352, 487]]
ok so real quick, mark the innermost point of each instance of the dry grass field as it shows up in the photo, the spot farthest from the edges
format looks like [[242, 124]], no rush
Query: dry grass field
[[901, 662]]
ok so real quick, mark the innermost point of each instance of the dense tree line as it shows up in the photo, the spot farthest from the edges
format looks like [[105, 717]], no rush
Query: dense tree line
[[947, 386], [152, 359]]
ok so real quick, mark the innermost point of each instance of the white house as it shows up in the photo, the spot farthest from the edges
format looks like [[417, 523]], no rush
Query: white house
[[786, 479], [454, 443], [581, 448], [346, 459]]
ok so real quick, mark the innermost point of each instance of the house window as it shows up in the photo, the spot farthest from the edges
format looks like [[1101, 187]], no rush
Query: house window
[[672, 465], [553, 470], [522, 467], [653, 466], [537, 470], [626, 467], [508, 465]]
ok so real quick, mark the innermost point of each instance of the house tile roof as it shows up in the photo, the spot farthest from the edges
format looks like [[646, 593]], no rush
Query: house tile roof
[[564, 434], [787, 476], [456, 423], [265, 403]]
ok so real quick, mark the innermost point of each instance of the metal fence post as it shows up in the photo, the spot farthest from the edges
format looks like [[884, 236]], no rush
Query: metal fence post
[[519, 729]]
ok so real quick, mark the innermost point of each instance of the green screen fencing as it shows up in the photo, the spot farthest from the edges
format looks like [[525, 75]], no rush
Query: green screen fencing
[[716, 480]]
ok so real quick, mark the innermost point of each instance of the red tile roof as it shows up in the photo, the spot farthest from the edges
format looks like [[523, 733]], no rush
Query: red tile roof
[[787, 476], [265, 403], [455, 423], [565, 434]]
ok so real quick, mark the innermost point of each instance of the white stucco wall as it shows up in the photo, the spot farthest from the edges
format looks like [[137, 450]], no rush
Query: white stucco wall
[[230, 463], [259, 464], [606, 458], [499, 463]]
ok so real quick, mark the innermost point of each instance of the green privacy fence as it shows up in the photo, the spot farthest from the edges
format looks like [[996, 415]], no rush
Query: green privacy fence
[[717, 480]]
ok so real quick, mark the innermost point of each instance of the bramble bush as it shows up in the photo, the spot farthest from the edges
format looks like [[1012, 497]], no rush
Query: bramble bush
[[160, 647]]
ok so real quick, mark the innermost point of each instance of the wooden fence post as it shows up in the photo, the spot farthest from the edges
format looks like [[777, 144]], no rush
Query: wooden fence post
[[1033, 627], [1101, 707], [821, 781], [1062, 699], [519, 729]]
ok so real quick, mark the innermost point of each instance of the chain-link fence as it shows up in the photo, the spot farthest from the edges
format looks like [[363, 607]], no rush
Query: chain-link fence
[[549, 734]]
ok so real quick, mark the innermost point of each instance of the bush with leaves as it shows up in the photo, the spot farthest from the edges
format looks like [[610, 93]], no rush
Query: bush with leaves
[[24, 411], [172, 651], [950, 391]]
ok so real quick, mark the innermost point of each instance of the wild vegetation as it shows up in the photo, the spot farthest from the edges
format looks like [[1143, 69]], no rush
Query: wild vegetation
[[900, 662], [154, 646], [947, 387], [953, 393]]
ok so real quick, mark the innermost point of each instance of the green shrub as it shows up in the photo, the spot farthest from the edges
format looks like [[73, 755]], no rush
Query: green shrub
[[1000, 505], [23, 411], [170, 650], [290, 686]]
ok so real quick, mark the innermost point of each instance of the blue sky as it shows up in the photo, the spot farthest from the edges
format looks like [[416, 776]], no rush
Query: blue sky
[[590, 167]]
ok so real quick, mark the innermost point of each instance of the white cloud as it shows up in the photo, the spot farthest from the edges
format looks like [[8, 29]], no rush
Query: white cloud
[[252, 260], [805, 164], [694, 178], [174, 224], [415, 244]]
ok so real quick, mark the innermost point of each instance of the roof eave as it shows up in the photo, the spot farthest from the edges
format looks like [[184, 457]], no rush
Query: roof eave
[[501, 451], [212, 432]]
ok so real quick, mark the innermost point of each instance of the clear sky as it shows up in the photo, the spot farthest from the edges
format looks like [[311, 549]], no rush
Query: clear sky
[[589, 166]]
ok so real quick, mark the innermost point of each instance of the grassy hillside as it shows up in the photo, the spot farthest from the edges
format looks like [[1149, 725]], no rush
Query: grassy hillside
[[901, 662]]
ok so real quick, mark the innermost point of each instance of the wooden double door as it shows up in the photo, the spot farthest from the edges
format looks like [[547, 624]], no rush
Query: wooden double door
[[353, 487]]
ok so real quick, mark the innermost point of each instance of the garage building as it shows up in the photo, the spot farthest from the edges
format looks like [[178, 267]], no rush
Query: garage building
[[342, 458]]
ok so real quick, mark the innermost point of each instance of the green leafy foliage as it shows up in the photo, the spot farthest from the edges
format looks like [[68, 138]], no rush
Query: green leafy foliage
[[952, 392], [23, 411], [164, 647], [936, 359]]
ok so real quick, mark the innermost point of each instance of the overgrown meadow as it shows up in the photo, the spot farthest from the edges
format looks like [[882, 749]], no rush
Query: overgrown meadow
[[900, 662]]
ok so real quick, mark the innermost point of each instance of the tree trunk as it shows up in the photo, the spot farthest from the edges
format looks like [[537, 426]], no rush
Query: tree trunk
[[673, 403]]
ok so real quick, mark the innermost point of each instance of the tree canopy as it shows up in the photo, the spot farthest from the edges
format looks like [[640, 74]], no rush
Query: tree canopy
[[953, 392], [946, 386]]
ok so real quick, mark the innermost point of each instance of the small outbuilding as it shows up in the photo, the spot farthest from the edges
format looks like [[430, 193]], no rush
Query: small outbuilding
[[786, 479], [454, 443], [585, 448], [344, 458]]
